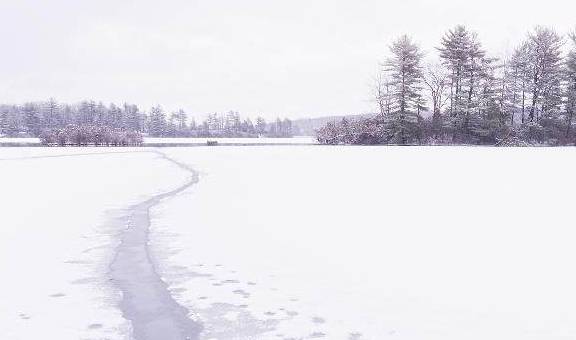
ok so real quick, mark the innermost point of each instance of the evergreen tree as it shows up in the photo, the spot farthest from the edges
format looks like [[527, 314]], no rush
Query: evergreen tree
[[545, 60], [471, 78], [571, 88], [103, 116], [248, 127], [180, 117], [9, 122], [32, 120], [133, 117], [116, 117], [260, 126], [51, 114], [454, 53], [157, 122], [88, 113], [405, 73], [520, 77]]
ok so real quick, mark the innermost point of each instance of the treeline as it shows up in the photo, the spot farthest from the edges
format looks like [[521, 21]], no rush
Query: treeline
[[33, 119], [232, 125], [469, 97]]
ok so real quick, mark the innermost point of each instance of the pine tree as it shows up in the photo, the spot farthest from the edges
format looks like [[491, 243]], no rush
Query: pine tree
[[9, 122], [248, 126], [116, 117], [260, 126], [181, 118], [103, 116], [157, 122], [520, 78], [32, 120], [454, 53], [87, 114], [133, 117], [570, 75], [471, 71], [286, 128], [405, 73], [546, 64], [51, 114], [231, 123]]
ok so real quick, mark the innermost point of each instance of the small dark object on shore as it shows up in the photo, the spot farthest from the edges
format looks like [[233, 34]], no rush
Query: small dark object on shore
[[212, 143]]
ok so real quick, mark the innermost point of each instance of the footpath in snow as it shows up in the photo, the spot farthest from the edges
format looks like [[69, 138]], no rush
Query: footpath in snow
[[146, 301], [59, 233]]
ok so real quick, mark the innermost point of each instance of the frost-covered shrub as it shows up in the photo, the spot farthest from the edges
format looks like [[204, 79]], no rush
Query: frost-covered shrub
[[48, 137], [476, 130], [61, 137], [134, 138], [329, 134], [81, 135]]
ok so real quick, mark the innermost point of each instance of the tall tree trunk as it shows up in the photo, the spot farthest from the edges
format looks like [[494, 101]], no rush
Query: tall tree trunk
[[523, 103]]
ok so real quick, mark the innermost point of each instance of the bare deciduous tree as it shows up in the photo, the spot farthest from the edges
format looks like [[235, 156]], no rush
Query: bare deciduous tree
[[436, 80]]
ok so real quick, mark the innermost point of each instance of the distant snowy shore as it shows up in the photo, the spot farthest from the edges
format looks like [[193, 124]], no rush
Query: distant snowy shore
[[149, 141]]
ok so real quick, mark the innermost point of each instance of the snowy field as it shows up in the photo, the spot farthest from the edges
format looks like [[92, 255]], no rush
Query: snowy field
[[298, 242]]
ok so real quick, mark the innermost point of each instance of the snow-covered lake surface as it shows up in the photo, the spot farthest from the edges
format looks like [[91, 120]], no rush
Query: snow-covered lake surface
[[17, 140], [55, 241], [224, 141], [299, 242]]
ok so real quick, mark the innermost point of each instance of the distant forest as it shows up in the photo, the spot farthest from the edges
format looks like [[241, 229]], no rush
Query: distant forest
[[470, 97], [37, 119]]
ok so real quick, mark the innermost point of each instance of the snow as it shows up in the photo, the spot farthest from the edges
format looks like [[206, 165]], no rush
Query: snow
[[10, 140], [55, 241], [224, 141], [193, 141], [297, 242], [373, 243]]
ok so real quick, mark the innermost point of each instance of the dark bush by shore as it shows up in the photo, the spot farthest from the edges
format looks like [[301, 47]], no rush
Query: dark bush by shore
[[380, 130]]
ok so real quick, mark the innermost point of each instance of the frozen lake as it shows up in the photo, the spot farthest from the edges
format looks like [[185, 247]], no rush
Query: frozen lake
[[296, 242], [191, 141]]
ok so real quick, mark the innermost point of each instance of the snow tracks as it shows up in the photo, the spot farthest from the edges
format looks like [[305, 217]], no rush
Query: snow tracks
[[146, 301]]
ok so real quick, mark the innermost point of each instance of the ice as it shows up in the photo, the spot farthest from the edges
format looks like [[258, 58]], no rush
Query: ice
[[28, 140], [297, 242], [224, 141], [55, 241], [191, 141], [374, 243]]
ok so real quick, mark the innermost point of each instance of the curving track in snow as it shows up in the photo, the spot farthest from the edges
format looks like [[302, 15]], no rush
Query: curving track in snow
[[146, 301]]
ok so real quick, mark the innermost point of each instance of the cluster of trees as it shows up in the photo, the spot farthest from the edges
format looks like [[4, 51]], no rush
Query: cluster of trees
[[82, 135], [469, 97], [230, 124], [32, 119]]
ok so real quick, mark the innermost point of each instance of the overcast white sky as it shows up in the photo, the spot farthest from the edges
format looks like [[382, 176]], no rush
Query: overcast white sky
[[292, 58]]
